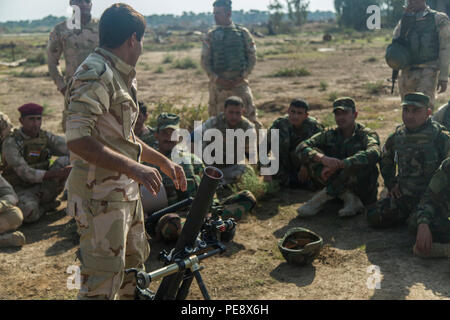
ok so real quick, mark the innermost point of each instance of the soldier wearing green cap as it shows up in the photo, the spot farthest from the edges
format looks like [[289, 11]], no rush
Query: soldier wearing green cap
[[169, 226], [228, 57], [410, 157], [426, 33], [342, 160], [293, 128]]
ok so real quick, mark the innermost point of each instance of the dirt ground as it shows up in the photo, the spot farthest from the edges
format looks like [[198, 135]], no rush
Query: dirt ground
[[252, 267]]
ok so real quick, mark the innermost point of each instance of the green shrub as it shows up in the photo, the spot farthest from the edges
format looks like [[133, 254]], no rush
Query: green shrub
[[291, 72], [185, 63]]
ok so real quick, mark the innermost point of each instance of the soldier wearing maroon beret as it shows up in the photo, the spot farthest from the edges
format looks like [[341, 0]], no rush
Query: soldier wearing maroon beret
[[26, 155]]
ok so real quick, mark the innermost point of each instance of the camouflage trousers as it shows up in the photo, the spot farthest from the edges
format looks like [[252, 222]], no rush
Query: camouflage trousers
[[392, 212], [423, 80], [235, 206], [112, 239], [11, 217], [218, 95], [33, 200], [361, 181]]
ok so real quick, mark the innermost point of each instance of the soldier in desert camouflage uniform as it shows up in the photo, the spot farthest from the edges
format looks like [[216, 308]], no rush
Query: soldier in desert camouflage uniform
[[228, 57], [103, 187], [26, 154], [10, 215], [344, 160], [169, 226], [74, 44], [231, 119], [294, 128], [432, 218], [428, 34], [409, 159]]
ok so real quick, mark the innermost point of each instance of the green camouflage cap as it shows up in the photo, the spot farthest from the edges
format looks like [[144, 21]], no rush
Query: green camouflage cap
[[344, 103], [168, 120], [417, 99]]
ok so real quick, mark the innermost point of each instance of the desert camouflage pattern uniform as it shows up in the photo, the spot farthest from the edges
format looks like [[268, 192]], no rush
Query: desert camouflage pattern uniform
[[75, 45], [102, 103], [231, 172], [25, 162], [360, 154], [434, 207], [424, 76], [234, 206], [11, 216], [408, 159], [290, 138], [442, 116], [229, 53]]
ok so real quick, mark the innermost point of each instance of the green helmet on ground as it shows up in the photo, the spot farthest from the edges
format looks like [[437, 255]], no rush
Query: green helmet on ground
[[300, 246], [398, 55]]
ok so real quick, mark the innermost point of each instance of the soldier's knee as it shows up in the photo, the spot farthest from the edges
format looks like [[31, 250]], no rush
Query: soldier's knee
[[30, 210], [11, 219]]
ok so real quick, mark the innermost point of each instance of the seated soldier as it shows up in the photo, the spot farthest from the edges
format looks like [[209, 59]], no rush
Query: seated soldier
[[10, 216], [431, 221], [145, 133], [26, 154], [294, 128], [344, 161], [231, 119], [410, 157], [169, 226], [443, 116]]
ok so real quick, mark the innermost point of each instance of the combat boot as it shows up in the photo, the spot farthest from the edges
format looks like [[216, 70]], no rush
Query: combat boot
[[315, 204], [352, 205], [13, 239], [438, 250]]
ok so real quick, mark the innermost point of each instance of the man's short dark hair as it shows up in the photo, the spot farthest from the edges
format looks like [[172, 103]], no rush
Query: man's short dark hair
[[234, 101], [223, 3], [299, 103], [118, 23], [142, 108]]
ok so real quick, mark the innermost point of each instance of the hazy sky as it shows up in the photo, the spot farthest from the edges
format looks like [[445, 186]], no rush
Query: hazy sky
[[36, 9]]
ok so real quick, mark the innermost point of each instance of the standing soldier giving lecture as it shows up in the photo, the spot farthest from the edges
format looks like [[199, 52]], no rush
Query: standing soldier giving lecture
[[228, 57], [103, 187], [427, 34]]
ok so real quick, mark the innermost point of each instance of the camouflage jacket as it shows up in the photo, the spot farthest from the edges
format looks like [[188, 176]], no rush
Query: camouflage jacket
[[5, 129], [361, 149], [443, 27], [75, 45], [207, 49], [102, 103], [290, 138], [17, 163], [219, 123], [436, 199], [410, 158]]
